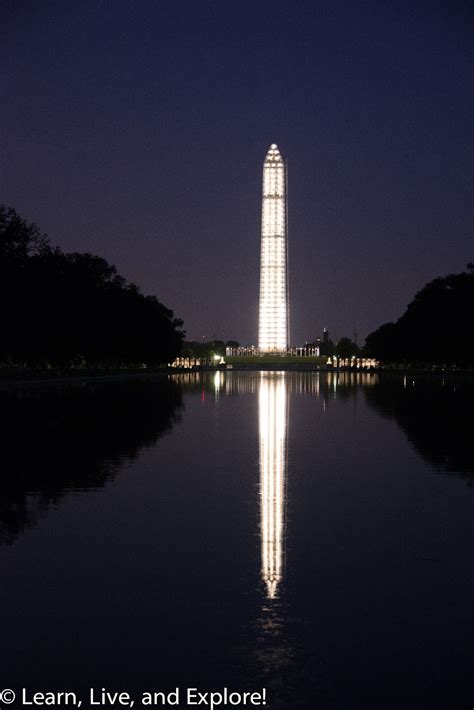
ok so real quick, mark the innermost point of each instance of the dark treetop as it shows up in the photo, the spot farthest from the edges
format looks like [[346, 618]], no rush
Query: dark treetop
[[59, 309], [437, 326]]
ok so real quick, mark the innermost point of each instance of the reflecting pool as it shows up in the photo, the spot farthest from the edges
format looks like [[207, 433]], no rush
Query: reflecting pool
[[306, 533]]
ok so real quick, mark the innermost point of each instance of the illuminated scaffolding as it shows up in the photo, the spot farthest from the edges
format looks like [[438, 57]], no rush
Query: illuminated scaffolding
[[273, 328]]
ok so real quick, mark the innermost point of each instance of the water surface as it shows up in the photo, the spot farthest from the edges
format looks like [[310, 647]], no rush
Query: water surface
[[303, 532]]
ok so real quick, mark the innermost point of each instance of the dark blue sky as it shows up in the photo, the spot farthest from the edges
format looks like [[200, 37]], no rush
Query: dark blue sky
[[137, 131]]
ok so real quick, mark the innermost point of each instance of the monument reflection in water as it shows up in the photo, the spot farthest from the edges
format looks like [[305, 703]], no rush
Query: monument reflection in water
[[273, 438]]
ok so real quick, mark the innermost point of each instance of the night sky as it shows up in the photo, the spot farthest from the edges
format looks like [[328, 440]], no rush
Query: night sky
[[137, 131]]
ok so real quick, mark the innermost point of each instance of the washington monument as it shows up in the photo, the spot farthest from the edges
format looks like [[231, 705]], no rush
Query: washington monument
[[273, 321]]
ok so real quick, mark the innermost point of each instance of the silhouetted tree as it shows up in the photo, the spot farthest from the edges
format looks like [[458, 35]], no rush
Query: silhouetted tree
[[193, 348], [18, 239], [346, 348], [328, 349], [383, 344], [58, 308], [437, 326]]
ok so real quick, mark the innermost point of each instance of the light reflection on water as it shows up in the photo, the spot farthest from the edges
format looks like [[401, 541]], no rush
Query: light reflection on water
[[272, 422], [322, 548]]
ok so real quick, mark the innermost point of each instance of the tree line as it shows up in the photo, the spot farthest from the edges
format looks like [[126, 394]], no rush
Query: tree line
[[62, 309], [436, 328]]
